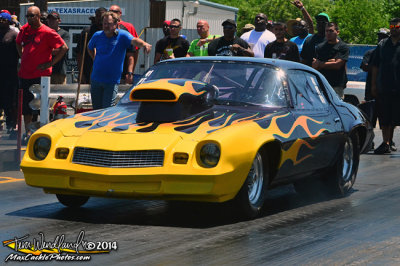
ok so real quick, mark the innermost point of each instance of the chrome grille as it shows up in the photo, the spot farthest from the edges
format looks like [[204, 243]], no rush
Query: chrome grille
[[118, 159]]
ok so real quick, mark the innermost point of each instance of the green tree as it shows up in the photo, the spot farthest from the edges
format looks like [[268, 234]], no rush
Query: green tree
[[276, 10], [393, 8], [359, 20], [283, 10]]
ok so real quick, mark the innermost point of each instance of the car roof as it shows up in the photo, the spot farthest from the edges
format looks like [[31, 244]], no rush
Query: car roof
[[282, 64]]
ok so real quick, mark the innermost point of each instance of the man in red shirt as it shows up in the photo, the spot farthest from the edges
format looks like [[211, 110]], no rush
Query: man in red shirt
[[35, 44], [132, 54]]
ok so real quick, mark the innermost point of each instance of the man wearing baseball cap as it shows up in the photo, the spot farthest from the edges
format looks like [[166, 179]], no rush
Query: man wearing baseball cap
[[8, 73], [165, 27], [229, 44], [308, 52], [59, 74]]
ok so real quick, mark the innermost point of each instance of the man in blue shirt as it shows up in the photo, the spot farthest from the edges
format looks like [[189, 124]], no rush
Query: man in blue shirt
[[108, 48], [300, 31]]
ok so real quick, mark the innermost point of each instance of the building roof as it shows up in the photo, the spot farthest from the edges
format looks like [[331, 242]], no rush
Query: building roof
[[212, 4], [202, 2]]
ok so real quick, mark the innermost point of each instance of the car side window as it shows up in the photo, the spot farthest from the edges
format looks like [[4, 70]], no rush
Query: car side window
[[306, 91], [271, 89]]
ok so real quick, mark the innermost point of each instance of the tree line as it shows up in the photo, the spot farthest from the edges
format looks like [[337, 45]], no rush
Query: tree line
[[358, 20]]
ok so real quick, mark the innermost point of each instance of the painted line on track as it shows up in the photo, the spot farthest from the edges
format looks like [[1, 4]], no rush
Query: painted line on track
[[10, 179]]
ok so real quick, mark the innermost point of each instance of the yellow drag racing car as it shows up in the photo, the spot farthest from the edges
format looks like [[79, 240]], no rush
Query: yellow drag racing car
[[205, 129]]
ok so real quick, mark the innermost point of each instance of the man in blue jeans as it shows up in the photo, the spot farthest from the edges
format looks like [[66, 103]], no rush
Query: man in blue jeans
[[108, 48]]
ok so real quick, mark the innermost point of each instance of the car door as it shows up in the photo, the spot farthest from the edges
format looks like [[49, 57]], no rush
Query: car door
[[319, 127]]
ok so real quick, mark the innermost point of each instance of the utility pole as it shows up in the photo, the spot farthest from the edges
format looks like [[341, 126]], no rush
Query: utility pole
[[42, 4]]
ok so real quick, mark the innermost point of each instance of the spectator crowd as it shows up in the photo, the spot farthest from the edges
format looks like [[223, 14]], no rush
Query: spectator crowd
[[108, 50]]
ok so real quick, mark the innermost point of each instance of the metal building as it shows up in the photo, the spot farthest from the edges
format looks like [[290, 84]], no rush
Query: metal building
[[146, 15]]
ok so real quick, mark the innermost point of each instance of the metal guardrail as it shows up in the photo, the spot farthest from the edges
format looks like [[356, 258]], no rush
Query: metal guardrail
[[68, 92]]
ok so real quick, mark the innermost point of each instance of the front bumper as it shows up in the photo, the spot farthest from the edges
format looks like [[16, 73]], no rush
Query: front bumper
[[179, 182], [173, 181]]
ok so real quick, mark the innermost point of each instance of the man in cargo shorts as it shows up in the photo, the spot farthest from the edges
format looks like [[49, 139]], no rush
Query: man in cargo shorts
[[35, 44]]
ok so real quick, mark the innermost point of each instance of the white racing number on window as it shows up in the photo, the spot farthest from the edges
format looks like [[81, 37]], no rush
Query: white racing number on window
[[321, 97]]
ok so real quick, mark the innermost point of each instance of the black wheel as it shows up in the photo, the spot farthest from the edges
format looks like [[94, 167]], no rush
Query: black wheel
[[72, 201], [342, 178], [250, 198]]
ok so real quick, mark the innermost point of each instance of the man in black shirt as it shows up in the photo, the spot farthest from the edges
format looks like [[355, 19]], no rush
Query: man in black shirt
[[8, 74], [173, 45], [331, 58], [281, 48], [385, 84], [383, 33], [59, 74], [366, 66], [97, 24], [229, 44], [308, 52]]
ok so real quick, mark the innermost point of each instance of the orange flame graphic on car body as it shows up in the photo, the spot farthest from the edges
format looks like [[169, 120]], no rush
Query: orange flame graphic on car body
[[211, 122], [293, 152], [166, 90]]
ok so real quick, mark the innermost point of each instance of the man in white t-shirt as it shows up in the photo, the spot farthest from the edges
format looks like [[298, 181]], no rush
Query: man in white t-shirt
[[260, 36]]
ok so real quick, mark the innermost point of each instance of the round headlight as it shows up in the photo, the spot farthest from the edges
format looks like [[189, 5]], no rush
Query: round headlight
[[41, 147], [209, 154]]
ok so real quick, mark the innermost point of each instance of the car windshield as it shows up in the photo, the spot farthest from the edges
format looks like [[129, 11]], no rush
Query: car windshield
[[239, 83]]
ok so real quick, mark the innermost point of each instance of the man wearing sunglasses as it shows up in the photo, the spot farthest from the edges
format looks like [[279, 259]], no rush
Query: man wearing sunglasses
[[385, 85], [173, 45], [35, 44], [260, 36], [229, 44]]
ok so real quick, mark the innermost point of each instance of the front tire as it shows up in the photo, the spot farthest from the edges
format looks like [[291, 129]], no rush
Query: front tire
[[344, 173], [72, 201], [251, 196]]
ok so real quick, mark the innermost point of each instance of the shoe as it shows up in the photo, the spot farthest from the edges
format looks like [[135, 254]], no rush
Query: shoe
[[382, 149], [372, 146], [25, 139], [392, 146]]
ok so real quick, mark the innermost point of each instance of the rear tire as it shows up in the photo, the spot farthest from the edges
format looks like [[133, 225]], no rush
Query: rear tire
[[344, 172], [72, 201], [251, 197]]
